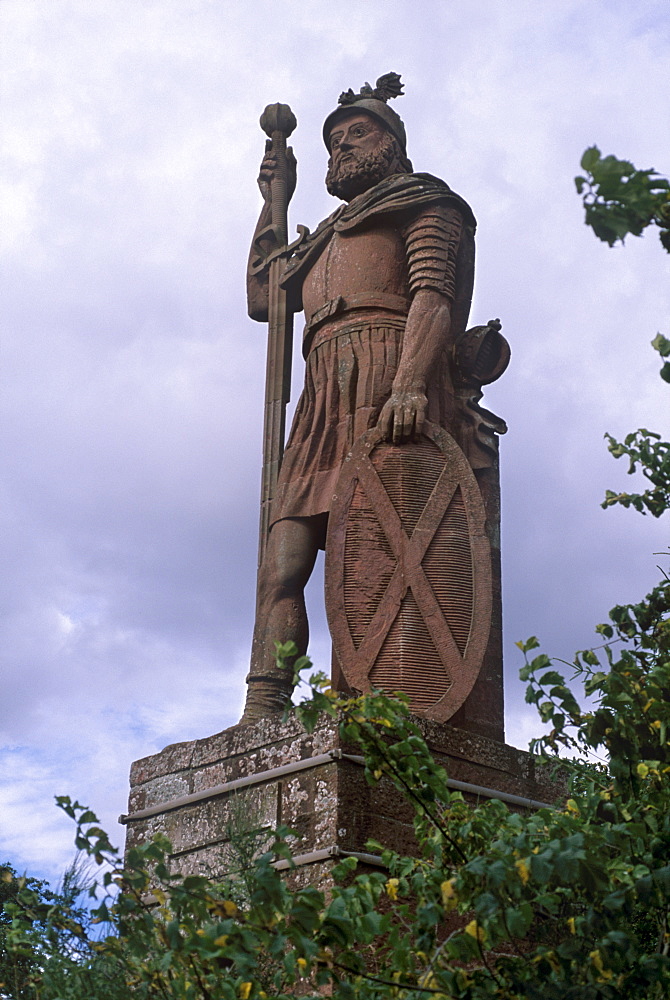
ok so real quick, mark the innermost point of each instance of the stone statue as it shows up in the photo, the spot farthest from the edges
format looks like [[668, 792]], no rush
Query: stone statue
[[392, 384]]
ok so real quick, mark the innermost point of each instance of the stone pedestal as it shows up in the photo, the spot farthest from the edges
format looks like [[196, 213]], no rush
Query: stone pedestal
[[259, 776]]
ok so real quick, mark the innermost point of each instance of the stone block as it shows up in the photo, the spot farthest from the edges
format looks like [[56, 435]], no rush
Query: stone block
[[281, 776]]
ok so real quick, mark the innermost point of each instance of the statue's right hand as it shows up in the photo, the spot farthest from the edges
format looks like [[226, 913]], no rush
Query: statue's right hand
[[270, 169]]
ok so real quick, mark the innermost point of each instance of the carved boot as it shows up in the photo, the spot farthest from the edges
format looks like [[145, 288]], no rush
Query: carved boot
[[266, 695]]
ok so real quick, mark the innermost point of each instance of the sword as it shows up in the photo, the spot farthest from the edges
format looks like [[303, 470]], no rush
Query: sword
[[278, 122]]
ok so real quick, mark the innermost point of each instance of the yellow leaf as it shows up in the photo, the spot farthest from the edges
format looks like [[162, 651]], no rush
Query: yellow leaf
[[392, 888], [642, 770], [571, 925], [449, 898], [596, 959], [656, 724], [302, 964], [475, 931], [229, 908], [245, 990], [522, 867], [572, 807], [221, 940]]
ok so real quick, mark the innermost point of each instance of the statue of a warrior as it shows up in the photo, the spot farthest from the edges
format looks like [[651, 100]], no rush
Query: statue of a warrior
[[385, 283]]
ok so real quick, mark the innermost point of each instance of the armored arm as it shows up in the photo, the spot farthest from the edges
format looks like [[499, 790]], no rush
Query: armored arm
[[264, 240], [431, 238]]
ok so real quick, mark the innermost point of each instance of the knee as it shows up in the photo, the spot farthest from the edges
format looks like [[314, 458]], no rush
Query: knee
[[278, 582], [284, 575]]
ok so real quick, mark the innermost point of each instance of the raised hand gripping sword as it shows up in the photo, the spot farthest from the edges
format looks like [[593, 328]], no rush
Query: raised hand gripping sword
[[278, 122]]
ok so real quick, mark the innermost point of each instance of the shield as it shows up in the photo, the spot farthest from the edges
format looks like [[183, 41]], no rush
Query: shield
[[408, 571]]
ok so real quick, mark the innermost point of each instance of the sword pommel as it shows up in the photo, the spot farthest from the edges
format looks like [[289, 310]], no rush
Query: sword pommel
[[278, 118]]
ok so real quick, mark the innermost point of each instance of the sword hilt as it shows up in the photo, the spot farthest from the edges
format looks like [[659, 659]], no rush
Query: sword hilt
[[278, 122]]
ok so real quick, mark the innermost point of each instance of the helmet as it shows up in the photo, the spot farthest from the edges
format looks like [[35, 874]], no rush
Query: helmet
[[372, 102]]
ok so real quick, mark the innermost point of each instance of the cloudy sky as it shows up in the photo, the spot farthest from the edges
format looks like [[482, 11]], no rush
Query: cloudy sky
[[132, 380]]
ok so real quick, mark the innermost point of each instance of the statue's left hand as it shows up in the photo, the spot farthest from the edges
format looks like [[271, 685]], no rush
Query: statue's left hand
[[403, 415]]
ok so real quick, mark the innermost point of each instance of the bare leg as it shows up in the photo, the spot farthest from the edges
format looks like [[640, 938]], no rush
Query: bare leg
[[280, 615]]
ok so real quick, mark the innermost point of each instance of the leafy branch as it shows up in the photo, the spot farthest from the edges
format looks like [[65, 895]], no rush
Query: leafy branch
[[620, 200]]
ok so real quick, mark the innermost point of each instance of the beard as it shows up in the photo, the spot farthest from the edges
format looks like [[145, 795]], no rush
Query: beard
[[361, 171]]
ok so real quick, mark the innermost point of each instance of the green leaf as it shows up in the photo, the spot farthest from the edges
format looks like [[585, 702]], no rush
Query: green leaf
[[531, 643], [541, 868], [518, 919], [486, 905], [590, 158], [545, 709], [551, 677], [662, 345]]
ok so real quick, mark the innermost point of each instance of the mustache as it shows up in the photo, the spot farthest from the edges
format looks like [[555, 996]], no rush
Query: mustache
[[356, 170]]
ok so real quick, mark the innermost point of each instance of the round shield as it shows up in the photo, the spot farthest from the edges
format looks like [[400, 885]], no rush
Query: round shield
[[408, 571]]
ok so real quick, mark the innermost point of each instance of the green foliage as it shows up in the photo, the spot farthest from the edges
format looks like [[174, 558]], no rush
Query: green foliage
[[36, 922], [646, 451], [619, 199], [16, 968]]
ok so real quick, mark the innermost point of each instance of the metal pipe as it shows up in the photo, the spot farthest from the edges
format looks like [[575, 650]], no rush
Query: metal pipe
[[232, 786], [492, 793], [324, 854], [467, 786], [304, 765]]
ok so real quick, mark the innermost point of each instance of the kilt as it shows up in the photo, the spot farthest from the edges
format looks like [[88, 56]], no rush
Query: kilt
[[349, 376]]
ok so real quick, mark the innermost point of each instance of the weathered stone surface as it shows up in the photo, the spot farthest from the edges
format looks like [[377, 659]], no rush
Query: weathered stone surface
[[329, 805]]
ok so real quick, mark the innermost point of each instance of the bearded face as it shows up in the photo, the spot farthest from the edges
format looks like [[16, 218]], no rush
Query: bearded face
[[354, 171]]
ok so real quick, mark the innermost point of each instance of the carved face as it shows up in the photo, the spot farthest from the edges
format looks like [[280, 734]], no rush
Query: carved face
[[358, 131], [362, 153]]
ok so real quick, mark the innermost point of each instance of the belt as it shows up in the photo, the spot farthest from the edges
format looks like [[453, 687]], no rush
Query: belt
[[339, 305], [394, 303]]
